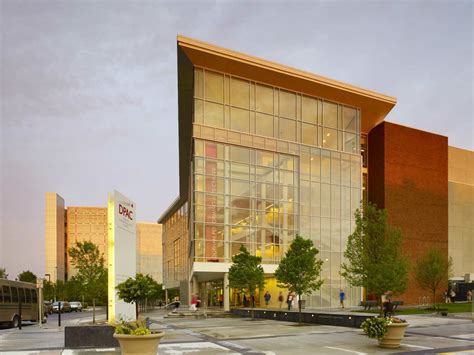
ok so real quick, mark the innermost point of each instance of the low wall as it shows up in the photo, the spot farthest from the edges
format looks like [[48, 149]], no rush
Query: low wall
[[90, 336], [325, 318]]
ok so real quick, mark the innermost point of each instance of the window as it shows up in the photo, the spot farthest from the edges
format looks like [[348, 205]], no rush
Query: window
[[14, 294], [349, 119], [240, 93], [214, 86], [264, 125], [287, 104], [34, 296], [309, 134], [6, 294], [287, 129], [28, 295], [329, 114], [239, 120], [309, 110], [214, 114], [264, 99], [22, 295]]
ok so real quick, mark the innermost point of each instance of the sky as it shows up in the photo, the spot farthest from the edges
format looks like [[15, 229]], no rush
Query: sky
[[89, 88]]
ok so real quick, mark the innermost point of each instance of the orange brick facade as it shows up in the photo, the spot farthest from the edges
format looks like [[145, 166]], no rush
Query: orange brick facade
[[408, 176]]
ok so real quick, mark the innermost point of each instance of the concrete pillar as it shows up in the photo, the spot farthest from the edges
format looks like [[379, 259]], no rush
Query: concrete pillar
[[226, 292]]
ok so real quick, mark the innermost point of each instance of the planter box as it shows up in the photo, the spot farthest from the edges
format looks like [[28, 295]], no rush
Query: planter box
[[139, 344], [394, 335], [89, 336]]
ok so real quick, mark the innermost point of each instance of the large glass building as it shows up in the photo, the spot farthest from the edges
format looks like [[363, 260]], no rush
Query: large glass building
[[267, 152]]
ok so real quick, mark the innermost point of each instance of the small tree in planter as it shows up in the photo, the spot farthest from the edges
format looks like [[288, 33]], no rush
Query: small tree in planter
[[135, 290], [246, 275], [432, 271], [374, 260], [299, 270]]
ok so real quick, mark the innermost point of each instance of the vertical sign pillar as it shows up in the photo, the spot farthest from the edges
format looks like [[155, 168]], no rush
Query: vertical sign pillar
[[121, 253]]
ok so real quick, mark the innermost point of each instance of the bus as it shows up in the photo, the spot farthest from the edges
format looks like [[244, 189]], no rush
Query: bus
[[12, 293]]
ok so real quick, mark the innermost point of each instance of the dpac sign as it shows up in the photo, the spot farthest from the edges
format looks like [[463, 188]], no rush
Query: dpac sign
[[121, 252]]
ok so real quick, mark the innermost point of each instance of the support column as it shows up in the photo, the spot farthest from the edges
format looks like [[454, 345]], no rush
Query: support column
[[226, 292]]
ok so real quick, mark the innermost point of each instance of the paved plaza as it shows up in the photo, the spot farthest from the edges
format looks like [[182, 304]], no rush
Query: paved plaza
[[234, 335]]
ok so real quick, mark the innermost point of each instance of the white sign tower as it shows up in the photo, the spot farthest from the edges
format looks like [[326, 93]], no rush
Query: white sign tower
[[121, 253]]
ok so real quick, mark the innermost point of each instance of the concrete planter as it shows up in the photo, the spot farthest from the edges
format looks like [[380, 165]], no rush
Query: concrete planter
[[139, 344], [394, 335]]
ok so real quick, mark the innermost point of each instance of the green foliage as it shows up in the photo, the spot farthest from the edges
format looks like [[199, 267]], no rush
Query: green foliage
[[91, 273], [3, 273], [140, 288], [132, 328], [432, 271], [246, 275], [375, 328], [27, 276], [374, 255], [299, 271]]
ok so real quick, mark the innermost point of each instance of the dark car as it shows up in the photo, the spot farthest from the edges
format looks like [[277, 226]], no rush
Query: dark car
[[65, 307]]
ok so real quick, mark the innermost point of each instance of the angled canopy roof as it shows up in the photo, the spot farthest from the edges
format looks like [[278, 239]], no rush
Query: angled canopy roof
[[374, 106]]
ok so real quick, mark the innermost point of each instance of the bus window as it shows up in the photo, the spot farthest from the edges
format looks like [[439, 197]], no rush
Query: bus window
[[35, 296], [1, 295], [14, 294], [6, 294], [21, 292], [28, 295]]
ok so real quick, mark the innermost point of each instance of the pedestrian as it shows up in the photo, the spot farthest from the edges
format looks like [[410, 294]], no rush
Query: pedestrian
[[469, 295], [296, 300], [446, 297], [193, 302], [221, 300], [342, 295], [280, 298], [386, 299], [244, 301], [452, 295], [267, 297], [289, 300]]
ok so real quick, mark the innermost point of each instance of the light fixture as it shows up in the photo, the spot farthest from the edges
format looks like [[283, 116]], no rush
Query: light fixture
[[324, 141], [327, 135]]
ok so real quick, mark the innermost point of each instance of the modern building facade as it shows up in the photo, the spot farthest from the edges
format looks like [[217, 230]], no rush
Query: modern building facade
[[267, 152], [64, 226]]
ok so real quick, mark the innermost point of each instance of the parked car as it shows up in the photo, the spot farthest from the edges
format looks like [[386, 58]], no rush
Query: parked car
[[65, 307], [76, 306]]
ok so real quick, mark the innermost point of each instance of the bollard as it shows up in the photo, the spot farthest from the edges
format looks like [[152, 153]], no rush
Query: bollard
[[19, 311]]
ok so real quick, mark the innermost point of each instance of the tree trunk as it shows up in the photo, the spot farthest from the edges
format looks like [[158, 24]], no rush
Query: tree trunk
[[136, 310], [299, 309], [434, 300], [93, 310]]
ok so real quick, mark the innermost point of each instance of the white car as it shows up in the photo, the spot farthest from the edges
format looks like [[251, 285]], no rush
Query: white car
[[76, 306]]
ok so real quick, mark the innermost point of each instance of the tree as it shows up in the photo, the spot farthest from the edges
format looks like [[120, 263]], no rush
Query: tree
[[91, 273], [246, 275], [136, 290], [374, 258], [432, 271], [27, 276], [299, 271], [3, 273]]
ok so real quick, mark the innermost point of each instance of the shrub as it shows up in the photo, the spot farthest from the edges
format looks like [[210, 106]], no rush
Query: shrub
[[132, 328], [375, 327]]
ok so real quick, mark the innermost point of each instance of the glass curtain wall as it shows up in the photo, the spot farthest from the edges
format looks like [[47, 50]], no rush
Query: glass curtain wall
[[262, 199]]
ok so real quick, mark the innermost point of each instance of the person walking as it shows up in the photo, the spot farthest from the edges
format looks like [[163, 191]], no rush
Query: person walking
[[386, 299], [469, 295], [280, 299], [342, 296], [289, 300], [193, 303], [267, 297]]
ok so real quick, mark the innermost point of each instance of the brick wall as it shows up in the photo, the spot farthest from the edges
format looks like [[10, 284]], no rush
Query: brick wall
[[408, 176]]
